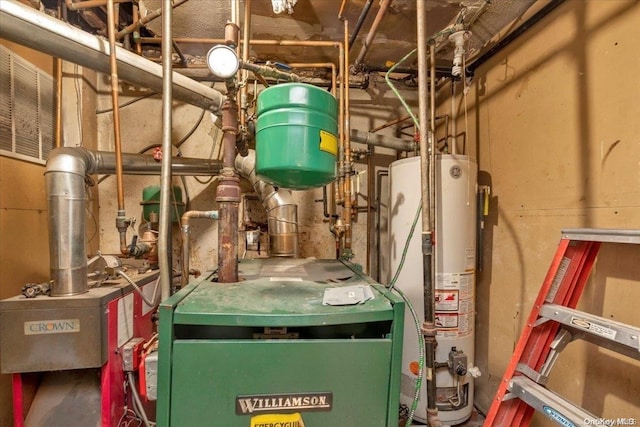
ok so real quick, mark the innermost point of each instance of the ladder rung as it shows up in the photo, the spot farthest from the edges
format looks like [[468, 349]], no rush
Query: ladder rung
[[598, 327], [552, 405], [602, 235]]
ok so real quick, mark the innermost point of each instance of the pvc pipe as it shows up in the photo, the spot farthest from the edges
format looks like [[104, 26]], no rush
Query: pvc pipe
[[23, 25]]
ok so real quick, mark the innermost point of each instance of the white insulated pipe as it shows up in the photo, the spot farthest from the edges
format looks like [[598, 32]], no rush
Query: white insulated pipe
[[26, 26]]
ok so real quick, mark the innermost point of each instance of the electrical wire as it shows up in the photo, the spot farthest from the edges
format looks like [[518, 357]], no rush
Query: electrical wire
[[395, 91], [153, 301], [391, 286], [137, 403], [76, 84], [126, 104]]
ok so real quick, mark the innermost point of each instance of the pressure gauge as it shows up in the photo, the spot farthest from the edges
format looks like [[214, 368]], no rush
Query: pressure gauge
[[222, 61]]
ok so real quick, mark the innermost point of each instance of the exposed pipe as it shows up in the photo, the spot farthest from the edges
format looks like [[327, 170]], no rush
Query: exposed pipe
[[547, 9], [144, 20], [329, 65], [348, 164], [166, 189], [391, 123], [185, 231], [454, 126], [427, 165], [376, 140], [58, 69], [121, 217], [71, 5], [23, 25], [244, 89], [135, 11], [371, 152], [228, 190], [282, 212], [342, 5], [379, 176], [384, 5], [269, 71], [361, 19], [65, 177]]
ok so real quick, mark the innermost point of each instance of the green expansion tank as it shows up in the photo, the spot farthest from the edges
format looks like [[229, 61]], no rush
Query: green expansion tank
[[296, 136]]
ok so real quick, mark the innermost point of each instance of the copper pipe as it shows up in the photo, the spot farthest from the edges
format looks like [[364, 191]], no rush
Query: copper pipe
[[391, 123], [136, 34], [91, 3], [330, 65], [384, 5], [348, 165], [115, 90], [244, 91], [145, 20], [344, 2]]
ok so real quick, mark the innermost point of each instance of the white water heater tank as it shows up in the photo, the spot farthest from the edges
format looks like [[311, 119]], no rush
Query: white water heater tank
[[455, 253]]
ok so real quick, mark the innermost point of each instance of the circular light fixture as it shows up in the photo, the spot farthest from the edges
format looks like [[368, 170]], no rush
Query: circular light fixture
[[222, 61]]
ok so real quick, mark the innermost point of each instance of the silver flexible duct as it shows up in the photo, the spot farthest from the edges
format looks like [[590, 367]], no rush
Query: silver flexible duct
[[282, 212], [65, 177]]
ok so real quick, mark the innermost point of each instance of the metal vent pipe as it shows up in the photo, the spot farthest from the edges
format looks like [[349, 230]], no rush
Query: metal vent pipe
[[376, 140], [282, 212], [65, 178], [26, 26]]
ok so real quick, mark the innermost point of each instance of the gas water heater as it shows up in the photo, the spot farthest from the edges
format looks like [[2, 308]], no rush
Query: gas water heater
[[455, 253]]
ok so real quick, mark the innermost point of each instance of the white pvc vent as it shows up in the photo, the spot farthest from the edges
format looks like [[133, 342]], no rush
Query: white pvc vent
[[27, 109]]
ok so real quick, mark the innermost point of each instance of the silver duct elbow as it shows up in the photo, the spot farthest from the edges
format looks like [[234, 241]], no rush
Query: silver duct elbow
[[282, 212], [66, 200]]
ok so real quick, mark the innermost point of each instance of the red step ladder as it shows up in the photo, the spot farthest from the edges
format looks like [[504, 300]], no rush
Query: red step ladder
[[552, 324]]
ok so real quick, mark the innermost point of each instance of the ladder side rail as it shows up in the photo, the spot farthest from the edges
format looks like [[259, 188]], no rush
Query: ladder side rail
[[520, 346], [582, 257], [589, 263], [584, 253], [567, 275]]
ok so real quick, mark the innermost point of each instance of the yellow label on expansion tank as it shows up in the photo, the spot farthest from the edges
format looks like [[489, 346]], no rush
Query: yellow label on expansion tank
[[328, 142], [277, 420]]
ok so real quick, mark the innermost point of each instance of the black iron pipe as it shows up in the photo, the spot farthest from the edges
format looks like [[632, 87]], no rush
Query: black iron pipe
[[551, 6], [361, 19]]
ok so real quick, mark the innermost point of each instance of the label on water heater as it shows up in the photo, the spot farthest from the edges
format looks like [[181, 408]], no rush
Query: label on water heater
[[454, 304]]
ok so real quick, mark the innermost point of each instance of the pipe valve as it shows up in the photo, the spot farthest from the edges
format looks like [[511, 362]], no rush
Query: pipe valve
[[457, 362], [459, 38]]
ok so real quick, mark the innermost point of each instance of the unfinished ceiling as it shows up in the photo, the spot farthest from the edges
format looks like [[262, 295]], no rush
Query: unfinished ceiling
[[197, 24]]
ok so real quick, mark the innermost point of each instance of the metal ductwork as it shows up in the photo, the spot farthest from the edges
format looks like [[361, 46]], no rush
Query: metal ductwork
[[382, 140], [26, 26], [65, 178], [282, 212]]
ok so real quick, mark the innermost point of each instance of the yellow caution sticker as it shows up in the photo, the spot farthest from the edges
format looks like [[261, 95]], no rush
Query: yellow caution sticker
[[328, 142], [277, 420]]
